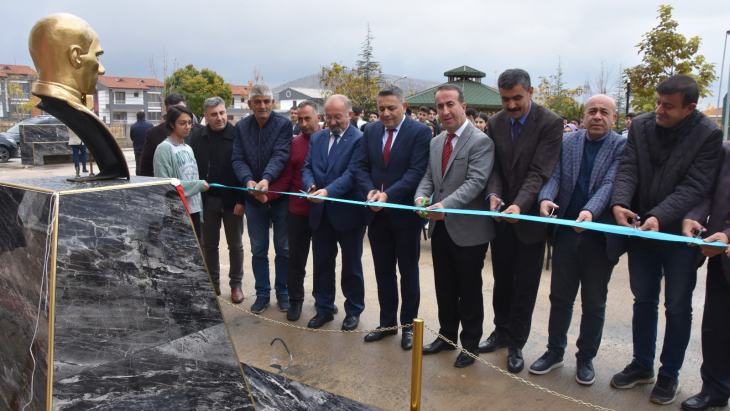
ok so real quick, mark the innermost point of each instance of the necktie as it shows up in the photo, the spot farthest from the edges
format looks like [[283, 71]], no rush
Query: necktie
[[332, 150], [386, 149], [448, 149], [515, 134]]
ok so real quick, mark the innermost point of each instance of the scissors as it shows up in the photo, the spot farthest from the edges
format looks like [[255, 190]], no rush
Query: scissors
[[375, 192], [425, 204]]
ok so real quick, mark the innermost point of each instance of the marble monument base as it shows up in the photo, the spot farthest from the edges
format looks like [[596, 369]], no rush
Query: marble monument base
[[105, 302]]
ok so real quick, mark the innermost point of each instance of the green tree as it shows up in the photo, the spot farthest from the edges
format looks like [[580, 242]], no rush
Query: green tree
[[666, 53], [553, 93], [360, 84], [198, 85]]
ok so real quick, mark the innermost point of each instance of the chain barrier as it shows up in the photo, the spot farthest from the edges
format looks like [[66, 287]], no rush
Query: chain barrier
[[515, 377], [490, 365], [398, 327]]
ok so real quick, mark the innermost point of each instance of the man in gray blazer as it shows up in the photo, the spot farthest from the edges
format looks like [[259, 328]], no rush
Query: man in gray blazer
[[580, 189], [527, 140], [458, 168]]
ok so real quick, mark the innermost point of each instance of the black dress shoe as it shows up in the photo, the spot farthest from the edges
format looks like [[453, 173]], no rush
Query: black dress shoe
[[465, 360], [294, 311], [701, 402], [515, 362], [350, 322], [379, 335], [493, 343], [437, 346], [319, 320], [406, 341]]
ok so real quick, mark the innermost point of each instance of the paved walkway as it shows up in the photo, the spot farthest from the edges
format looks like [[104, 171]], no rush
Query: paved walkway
[[379, 373]]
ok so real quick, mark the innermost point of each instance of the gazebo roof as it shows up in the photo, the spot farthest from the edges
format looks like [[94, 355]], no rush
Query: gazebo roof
[[465, 71], [476, 95]]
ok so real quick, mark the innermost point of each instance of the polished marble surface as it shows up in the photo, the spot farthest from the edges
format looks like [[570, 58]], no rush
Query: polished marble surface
[[24, 218], [38, 140], [62, 184], [273, 392], [196, 372]]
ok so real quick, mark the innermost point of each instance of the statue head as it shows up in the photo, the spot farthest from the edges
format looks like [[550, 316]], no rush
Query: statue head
[[66, 50]]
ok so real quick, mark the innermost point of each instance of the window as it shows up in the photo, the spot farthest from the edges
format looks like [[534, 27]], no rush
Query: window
[[154, 100], [154, 116], [120, 97], [120, 116], [243, 100], [136, 94]]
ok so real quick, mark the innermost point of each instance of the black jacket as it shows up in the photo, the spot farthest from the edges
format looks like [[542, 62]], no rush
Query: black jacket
[[199, 142], [665, 173]]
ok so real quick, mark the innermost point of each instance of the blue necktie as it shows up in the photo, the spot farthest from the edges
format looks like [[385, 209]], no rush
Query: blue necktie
[[332, 150]]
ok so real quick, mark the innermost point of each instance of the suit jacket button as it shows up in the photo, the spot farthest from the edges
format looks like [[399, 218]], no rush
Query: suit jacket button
[[441, 191], [326, 182], [727, 222]]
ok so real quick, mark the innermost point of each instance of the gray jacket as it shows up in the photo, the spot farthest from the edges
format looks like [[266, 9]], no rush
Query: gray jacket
[[462, 186]]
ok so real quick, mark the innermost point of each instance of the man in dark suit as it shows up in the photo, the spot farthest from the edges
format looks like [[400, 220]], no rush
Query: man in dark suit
[[137, 133], [460, 161], [156, 135], [580, 189], [329, 171], [715, 370], [527, 141], [393, 159]]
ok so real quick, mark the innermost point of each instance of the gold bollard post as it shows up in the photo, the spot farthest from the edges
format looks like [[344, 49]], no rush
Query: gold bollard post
[[416, 366]]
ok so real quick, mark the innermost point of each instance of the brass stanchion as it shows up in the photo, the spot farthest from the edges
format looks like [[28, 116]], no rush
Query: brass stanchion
[[416, 366]]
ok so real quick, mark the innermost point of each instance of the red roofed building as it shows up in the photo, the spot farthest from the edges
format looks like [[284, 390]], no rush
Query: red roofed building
[[16, 83], [239, 108], [118, 99]]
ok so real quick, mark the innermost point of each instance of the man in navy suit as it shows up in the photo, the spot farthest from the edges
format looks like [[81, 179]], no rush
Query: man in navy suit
[[329, 171], [393, 159], [580, 189]]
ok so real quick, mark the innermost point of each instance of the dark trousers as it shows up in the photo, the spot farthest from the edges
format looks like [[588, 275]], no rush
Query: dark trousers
[[324, 252], [715, 368], [578, 260], [79, 151], [517, 268], [457, 275], [137, 155], [213, 214], [300, 236], [391, 247], [195, 218], [649, 261]]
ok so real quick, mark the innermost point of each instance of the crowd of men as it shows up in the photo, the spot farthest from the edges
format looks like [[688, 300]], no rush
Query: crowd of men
[[668, 172]]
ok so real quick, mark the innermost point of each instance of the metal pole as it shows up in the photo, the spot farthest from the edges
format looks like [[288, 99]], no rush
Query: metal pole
[[628, 93], [726, 109], [417, 364], [722, 67]]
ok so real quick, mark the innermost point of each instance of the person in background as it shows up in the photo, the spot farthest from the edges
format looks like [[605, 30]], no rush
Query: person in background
[[423, 114], [432, 128], [137, 133], [629, 118], [79, 150], [480, 122], [433, 118], [575, 121], [175, 159], [471, 114], [213, 147], [295, 124], [569, 128], [156, 135]]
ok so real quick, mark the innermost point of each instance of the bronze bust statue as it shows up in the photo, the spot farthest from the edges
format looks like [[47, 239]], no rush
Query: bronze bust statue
[[65, 51]]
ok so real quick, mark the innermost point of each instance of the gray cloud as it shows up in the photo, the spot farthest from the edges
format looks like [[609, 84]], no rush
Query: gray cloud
[[287, 40]]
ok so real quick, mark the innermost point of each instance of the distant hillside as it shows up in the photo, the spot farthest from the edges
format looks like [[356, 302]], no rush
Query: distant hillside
[[413, 85]]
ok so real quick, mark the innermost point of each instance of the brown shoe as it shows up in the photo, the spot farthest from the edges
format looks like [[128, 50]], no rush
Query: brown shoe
[[217, 291], [236, 295]]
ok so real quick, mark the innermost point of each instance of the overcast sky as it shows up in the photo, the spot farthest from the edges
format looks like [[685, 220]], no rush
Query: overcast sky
[[287, 40]]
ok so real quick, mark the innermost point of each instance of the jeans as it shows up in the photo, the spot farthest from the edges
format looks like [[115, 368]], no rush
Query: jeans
[[578, 260], [213, 214], [258, 218], [79, 149], [649, 261]]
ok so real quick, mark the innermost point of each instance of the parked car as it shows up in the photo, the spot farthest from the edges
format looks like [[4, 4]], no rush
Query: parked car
[[14, 132], [8, 149]]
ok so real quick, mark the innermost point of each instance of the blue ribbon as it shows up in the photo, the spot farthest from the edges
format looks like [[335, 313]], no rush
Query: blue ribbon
[[606, 228]]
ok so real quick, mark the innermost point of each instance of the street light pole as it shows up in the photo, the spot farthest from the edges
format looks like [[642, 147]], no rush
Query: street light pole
[[628, 93], [399, 79], [726, 109]]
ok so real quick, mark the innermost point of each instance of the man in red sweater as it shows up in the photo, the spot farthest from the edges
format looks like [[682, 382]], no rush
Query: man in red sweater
[[299, 232]]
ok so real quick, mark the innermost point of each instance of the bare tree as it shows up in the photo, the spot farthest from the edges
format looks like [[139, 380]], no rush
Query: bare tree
[[602, 83]]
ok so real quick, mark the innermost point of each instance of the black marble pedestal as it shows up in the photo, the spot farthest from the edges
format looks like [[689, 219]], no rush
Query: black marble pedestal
[[137, 324], [40, 140]]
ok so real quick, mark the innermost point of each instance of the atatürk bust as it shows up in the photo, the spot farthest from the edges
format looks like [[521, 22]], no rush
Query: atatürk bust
[[65, 51]]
